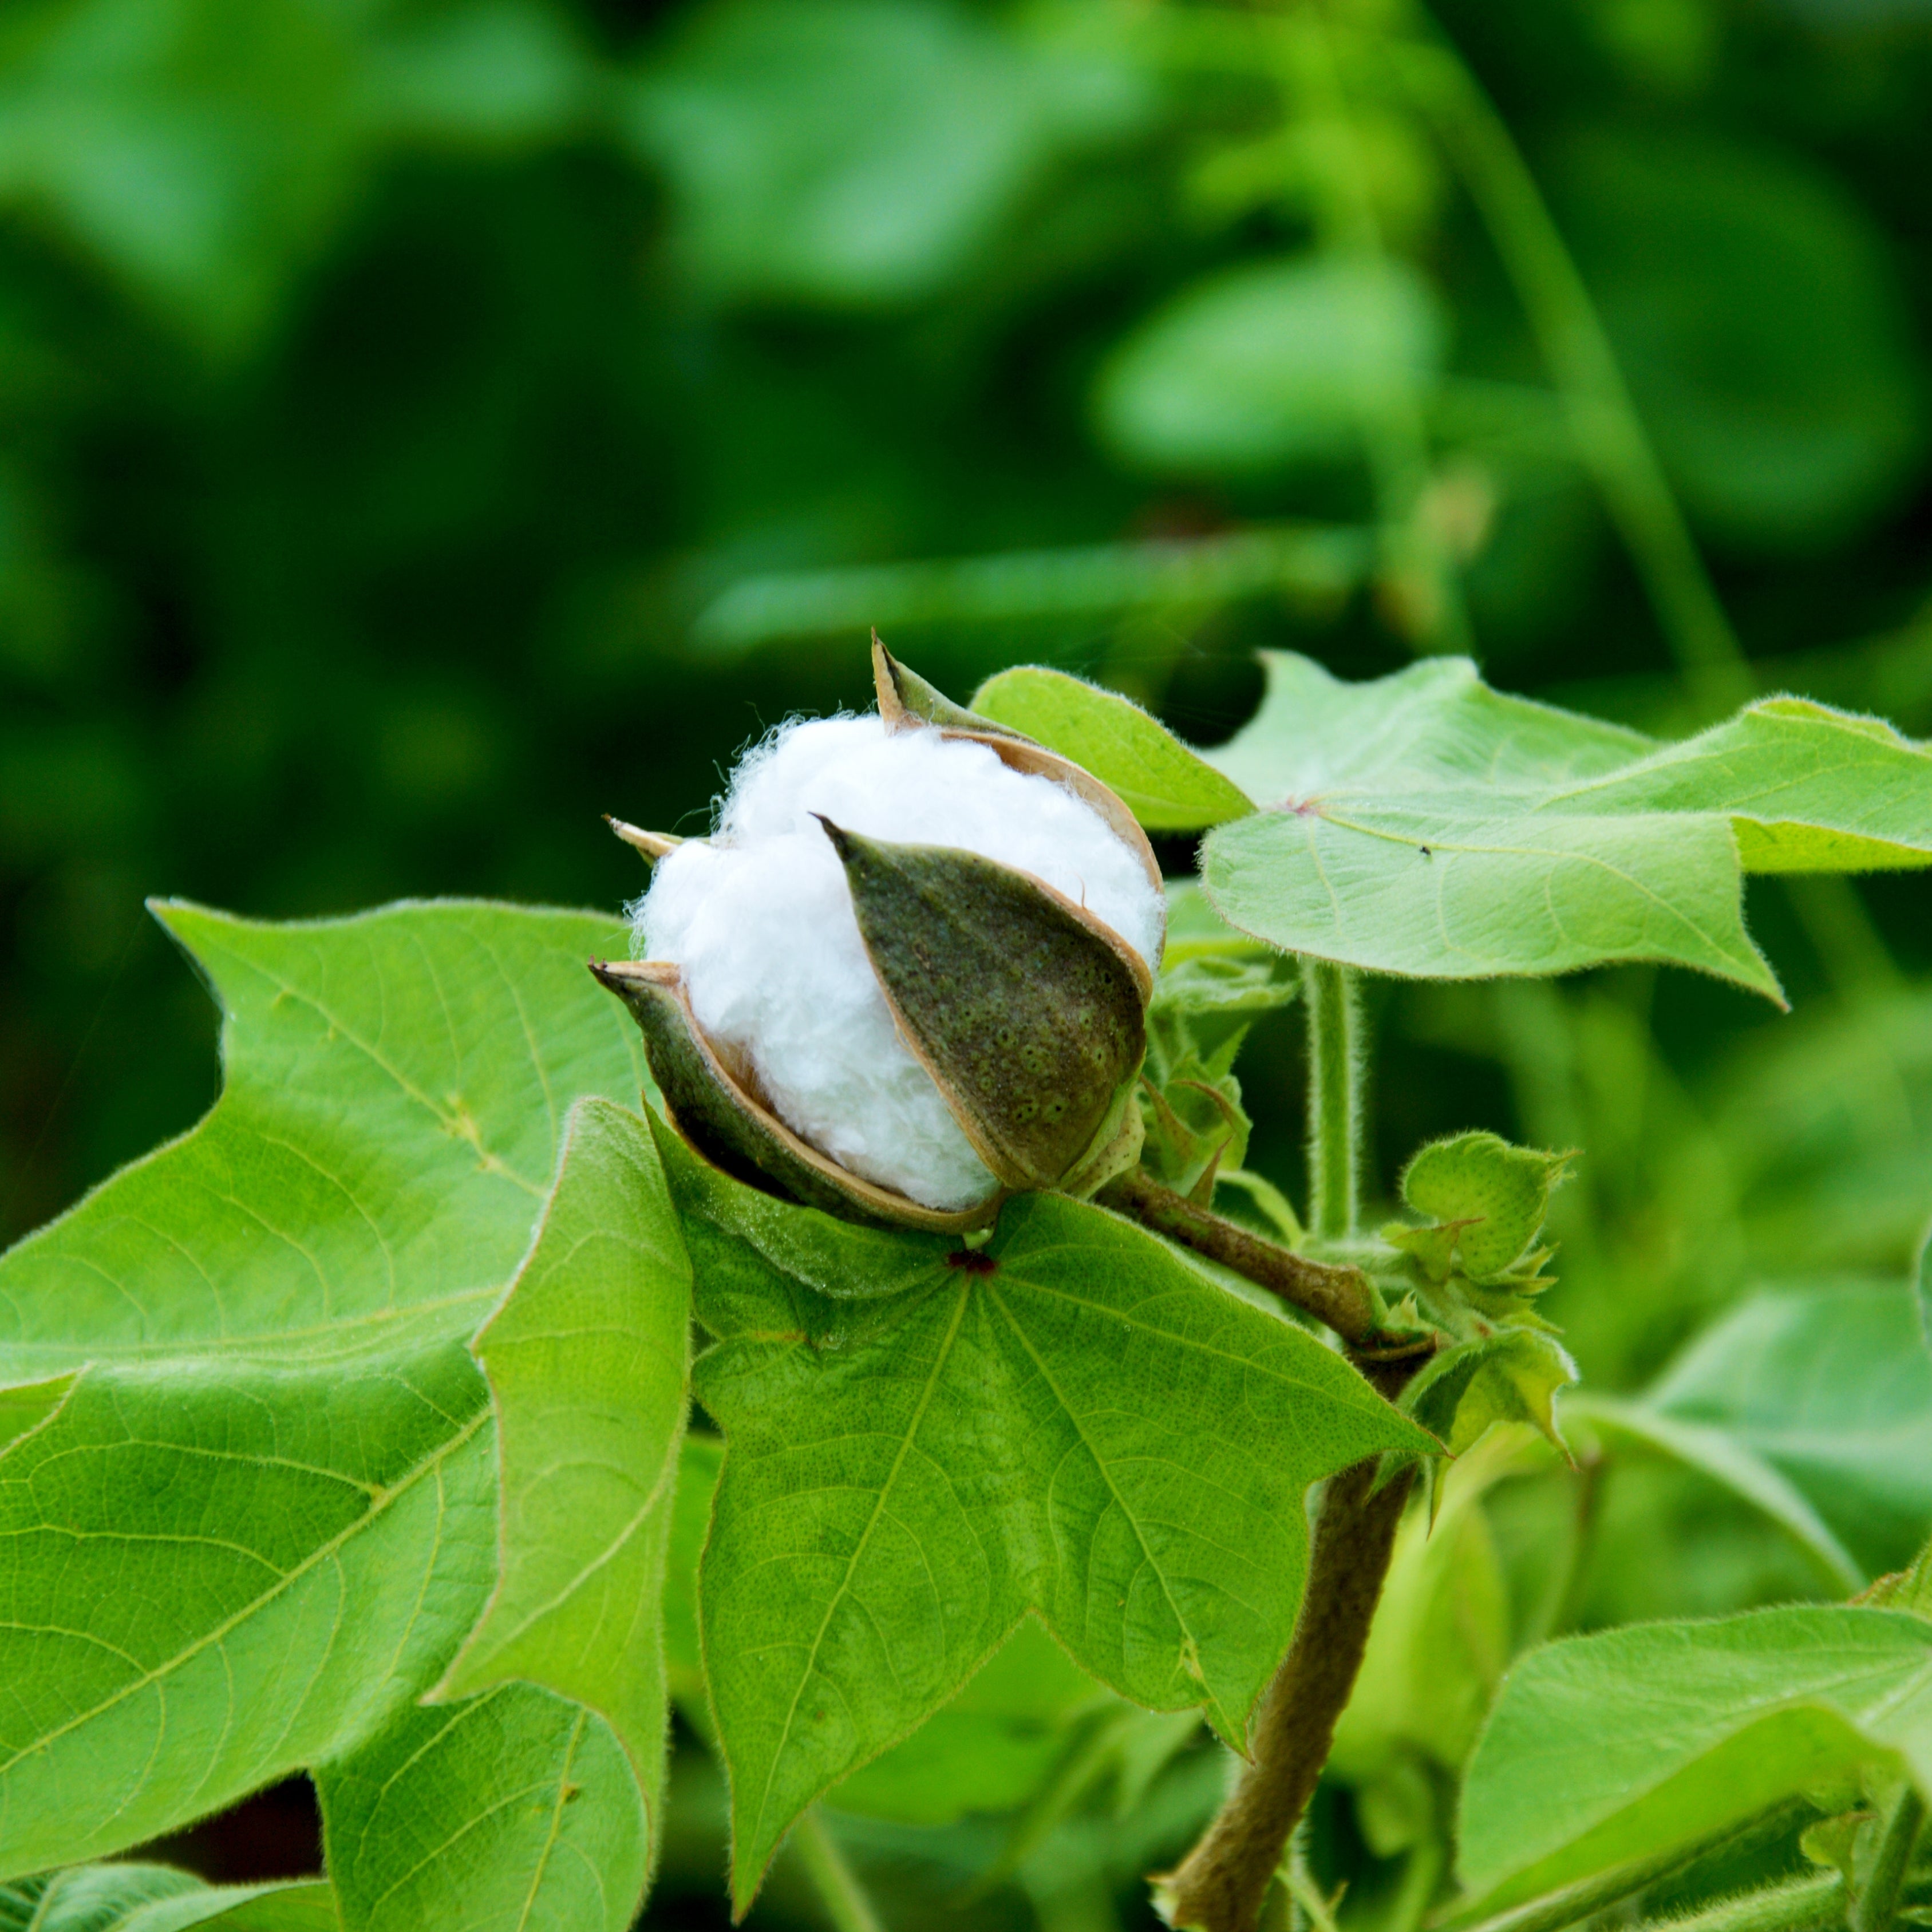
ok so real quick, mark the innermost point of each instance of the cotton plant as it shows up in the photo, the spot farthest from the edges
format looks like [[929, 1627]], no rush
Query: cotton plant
[[350, 1433]]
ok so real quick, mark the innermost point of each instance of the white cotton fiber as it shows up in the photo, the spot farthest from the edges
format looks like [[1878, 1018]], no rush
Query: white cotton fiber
[[761, 920]]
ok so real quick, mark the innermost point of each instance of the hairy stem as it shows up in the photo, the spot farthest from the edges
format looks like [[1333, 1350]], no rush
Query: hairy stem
[[846, 1905], [1797, 1906], [1609, 437], [1875, 1905], [1573, 1903], [1224, 1881], [1340, 1296], [1334, 1097]]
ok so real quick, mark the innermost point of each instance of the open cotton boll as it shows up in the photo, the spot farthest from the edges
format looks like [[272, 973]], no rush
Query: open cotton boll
[[759, 918]]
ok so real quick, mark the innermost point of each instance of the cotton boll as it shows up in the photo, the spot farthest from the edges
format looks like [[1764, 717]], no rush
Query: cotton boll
[[759, 919]]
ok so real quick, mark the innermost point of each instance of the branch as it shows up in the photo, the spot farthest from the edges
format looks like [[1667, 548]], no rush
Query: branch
[[1340, 1296], [1222, 1885]]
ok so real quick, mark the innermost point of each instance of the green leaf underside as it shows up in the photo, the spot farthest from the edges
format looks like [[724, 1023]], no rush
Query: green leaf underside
[[1815, 1405], [513, 1809], [988, 1750], [587, 1363], [215, 1574], [395, 1089], [1090, 1429], [159, 1898], [1166, 786], [1625, 1744], [1425, 825]]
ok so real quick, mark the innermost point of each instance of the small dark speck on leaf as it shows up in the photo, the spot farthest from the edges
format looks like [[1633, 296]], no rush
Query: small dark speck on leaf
[[972, 1261], [1426, 853]]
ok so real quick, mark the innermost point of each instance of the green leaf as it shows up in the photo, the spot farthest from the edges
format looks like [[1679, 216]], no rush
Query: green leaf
[[700, 1459], [159, 1898], [1815, 1404], [990, 1748], [218, 1572], [1721, 1455], [23, 1408], [1073, 1419], [394, 1094], [1165, 786], [261, 1521], [512, 1809], [1271, 363], [1423, 824], [1605, 1748], [587, 1362]]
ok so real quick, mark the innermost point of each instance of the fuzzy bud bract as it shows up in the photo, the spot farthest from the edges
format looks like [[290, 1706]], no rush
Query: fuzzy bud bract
[[907, 974]]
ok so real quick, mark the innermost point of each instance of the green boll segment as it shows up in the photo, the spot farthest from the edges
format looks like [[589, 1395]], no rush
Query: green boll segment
[[1028, 1013]]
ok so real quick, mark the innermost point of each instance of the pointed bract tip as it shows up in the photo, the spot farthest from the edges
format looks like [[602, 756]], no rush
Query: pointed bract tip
[[841, 839], [622, 976], [653, 845]]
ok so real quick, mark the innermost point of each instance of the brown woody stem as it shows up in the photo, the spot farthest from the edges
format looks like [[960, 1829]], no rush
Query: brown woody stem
[[1340, 1296], [1224, 1881]]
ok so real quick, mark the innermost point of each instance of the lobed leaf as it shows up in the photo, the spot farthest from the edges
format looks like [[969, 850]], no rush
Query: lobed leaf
[[395, 1087], [587, 1362], [247, 1496], [1166, 786], [1423, 824], [1625, 1744], [515, 1809], [1072, 1420], [216, 1573], [989, 1749]]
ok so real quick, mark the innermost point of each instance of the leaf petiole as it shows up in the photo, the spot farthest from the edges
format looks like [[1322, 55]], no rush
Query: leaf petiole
[[1875, 1904], [847, 1906], [1334, 1098], [1339, 1296]]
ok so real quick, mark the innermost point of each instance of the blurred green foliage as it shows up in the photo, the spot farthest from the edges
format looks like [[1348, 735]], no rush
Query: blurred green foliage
[[427, 424]]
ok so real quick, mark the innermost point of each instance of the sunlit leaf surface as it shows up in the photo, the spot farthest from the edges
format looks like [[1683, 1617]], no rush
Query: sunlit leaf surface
[[1426, 825], [1073, 1419]]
